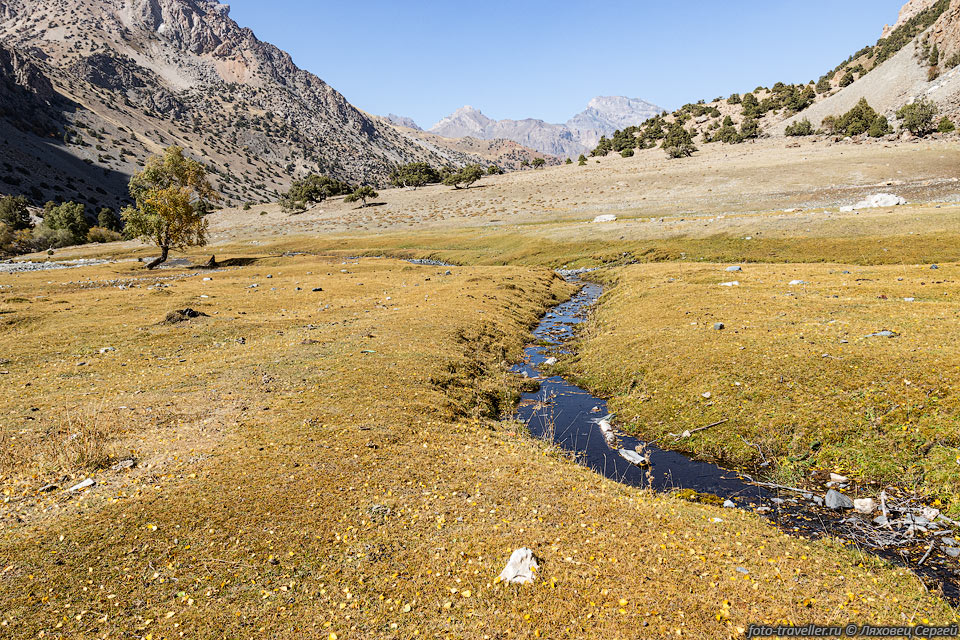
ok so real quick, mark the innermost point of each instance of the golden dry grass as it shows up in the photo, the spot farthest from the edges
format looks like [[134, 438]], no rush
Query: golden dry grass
[[793, 370], [317, 464]]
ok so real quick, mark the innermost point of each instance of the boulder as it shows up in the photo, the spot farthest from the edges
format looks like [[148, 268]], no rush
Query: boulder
[[836, 500], [521, 568], [865, 505], [877, 200], [609, 217]]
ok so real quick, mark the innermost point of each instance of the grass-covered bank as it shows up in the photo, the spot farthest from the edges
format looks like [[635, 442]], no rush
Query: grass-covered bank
[[790, 358], [309, 464]]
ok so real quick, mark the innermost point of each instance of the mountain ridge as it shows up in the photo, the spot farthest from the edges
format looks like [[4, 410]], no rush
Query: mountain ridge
[[603, 116]]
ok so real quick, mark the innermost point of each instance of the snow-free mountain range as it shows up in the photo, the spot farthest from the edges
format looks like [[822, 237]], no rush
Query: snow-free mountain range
[[603, 116]]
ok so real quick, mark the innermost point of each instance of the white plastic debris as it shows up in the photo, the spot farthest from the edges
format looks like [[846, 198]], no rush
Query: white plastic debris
[[634, 457], [609, 217], [522, 567]]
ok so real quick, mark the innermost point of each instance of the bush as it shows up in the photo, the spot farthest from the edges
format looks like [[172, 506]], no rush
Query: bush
[[800, 128], [727, 133], [108, 220], [626, 153], [879, 128], [494, 170], [847, 79], [102, 235], [734, 99], [946, 125], [44, 238], [14, 213], [859, 120], [917, 118], [823, 85], [313, 189], [582, 160], [538, 163]]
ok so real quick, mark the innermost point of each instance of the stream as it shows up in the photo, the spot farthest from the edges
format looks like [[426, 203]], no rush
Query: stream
[[574, 420]]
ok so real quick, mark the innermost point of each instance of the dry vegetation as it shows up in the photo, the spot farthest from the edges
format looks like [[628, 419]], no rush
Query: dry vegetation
[[303, 471], [796, 369], [327, 462]]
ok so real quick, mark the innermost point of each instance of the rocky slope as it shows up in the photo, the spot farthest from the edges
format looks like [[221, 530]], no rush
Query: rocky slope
[[603, 116], [120, 79]]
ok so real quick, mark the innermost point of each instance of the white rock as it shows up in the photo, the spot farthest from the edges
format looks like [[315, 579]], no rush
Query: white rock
[[729, 504], [796, 282], [707, 395], [877, 200], [730, 284], [865, 505], [930, 513], [609, 217], [81, 485], [836, 477], [550, 362], [735, 268], [522, 567]]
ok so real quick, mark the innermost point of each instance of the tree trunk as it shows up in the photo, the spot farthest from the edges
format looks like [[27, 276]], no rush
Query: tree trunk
[[160, 259]]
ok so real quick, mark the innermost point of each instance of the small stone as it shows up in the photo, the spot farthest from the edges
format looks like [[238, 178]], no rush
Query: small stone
[[836, 500], [719, 326], [865, 505], [933, 266], [953, 552], [729, 504], [707, 395], [735, 268], [269, 276], [730, 284], [836, 477], [129, 463], [107, 350], [881, 521], [550, 362], [318, 289], [796, 282], [886, 333]]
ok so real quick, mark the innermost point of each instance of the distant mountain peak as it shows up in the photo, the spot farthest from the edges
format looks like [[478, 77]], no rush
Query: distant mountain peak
[[603, 116]]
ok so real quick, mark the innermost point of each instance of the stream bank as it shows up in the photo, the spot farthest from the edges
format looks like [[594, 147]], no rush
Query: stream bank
[[909, 534]]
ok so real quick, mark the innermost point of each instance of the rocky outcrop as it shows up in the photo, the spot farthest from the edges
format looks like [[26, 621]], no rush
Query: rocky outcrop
[[909, 10]]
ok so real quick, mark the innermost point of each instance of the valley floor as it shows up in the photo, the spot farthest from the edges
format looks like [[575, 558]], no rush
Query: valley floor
[[320, 455]]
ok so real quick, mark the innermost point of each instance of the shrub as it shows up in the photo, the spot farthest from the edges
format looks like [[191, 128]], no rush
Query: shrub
[[361, 195], [626, 153], [538, 163], [946, 125], [823, 85], [727, 133], [800, 128], [855, 122], [582, 160], [879, 128], [734, 99], [847, 79], [494, 170], [108, 220], [102, 235], [568, 161], [917, 118]]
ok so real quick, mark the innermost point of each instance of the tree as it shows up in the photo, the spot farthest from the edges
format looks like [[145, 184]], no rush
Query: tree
[[857, 121], [946, 125], [917, 118], [107, 220], [494, 170], [538, 163], [14, 213], [879, 128], [171, 192], [524, 164], [823, 85], [68, 216], [626, 153], [847, 79], [734, 99], [678, 143], [362, 194], [414, 174], [465, 177], [312, 190], [582, 160], [934, 59], [568, 161], [749, 129], [750, 105]]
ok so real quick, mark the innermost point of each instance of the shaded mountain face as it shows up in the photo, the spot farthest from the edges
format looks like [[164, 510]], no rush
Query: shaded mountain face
[[603, 116], [126, 78]]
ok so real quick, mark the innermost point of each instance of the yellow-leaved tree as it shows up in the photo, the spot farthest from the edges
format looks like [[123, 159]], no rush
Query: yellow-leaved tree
[[172, 194]]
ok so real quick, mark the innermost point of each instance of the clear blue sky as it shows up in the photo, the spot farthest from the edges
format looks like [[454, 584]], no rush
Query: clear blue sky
[[546, 59]]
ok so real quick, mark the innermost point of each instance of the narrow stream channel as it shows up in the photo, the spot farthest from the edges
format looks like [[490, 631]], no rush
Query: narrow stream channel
[[571, 417]]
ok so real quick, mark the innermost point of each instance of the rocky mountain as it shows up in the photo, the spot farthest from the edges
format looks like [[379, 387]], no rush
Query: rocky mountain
[[916, 58], [603, 116], [606, 114], [113, 81], [403, 121]]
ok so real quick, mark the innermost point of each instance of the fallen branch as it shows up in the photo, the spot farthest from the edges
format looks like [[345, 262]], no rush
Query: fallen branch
[[687, 434], [927, 554]]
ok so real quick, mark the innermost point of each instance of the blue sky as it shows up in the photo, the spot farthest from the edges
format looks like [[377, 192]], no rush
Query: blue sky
[[531, 58]]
